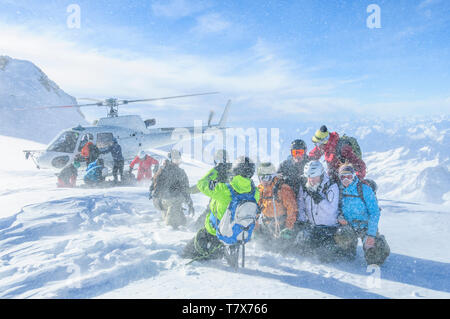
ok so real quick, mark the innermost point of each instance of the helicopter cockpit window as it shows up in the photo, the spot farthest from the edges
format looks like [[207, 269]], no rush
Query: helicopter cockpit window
[[84, 140], [65, 143], [104, 140]]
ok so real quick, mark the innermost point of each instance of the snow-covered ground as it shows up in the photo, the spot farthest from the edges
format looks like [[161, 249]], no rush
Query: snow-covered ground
[[111, 243]]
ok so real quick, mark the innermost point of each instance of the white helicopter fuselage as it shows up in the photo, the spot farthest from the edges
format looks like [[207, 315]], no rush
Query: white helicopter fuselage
[[130, 131]]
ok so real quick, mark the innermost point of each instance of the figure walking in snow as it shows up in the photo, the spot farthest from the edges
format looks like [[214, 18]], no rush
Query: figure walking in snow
[[170, 189], [145, 162], [116, 152]]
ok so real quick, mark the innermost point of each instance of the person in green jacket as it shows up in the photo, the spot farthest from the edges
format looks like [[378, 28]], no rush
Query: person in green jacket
[[205, 245]]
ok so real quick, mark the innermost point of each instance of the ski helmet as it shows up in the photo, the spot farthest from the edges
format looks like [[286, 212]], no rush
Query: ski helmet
[[142, 154], [266, 169], [322, 135], [313, 169], [220, 157], [298, 144], [244, 166]]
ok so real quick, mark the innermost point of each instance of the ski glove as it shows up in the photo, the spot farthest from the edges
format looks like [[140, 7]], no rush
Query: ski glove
[[316, 197]]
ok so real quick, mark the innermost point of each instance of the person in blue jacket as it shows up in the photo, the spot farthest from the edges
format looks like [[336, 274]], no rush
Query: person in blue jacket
[[359, 217], [94, 172], [116, 152]]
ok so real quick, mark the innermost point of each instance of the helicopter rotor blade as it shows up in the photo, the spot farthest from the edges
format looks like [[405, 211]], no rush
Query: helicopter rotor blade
[[165, 98], [89, 99], [58, 107]]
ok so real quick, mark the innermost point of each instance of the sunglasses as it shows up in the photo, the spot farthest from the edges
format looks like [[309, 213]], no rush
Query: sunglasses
[[298, 153]]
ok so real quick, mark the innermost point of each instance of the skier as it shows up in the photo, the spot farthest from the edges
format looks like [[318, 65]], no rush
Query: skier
[[206, 245], [116, 152], [95, 173], [170, 189], [145, 162], [318, 203], [292, 168], [327, 144], [223, 168], [68, 175], [278, 207], [89, 152], [360, 217]]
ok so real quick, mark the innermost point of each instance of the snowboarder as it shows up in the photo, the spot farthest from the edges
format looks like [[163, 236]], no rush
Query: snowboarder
[[89, 152], [116, 152], [327, 145], [68, 175], [170, 190], [278, 209], [145, 162], [206, 244], [360, 217], [95, 173], [318, 203], [292, 168]]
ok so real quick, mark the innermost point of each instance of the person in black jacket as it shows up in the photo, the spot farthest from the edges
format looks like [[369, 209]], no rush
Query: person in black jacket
[[116, 152], [170, 189], [292, 168], [68, 175]]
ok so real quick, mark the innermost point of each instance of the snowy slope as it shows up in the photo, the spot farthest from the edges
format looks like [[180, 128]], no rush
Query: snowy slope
[[23, 85], [111, 243]]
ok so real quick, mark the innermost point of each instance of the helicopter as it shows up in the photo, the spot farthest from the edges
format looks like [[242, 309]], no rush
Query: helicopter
[[131, 132]]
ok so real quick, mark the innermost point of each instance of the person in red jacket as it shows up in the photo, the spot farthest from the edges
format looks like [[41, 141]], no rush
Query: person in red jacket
[[326, 144], [145, 164]]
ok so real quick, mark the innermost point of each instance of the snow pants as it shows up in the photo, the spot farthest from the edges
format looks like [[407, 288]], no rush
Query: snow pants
[[319, 241], [118, 170], [172, 210]]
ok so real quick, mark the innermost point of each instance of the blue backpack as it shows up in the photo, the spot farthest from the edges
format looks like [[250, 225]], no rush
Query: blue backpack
[[238, 222]]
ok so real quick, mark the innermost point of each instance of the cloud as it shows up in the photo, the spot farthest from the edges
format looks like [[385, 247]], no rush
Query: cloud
[[178, 8], [211, 23], [427, 3]]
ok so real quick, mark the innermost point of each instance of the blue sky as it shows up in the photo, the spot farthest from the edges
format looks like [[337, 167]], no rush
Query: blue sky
[[277, 59]]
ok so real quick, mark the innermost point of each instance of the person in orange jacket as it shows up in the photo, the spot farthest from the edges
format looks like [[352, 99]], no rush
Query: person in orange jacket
[[89, 152], [278, 205], [145, 163]]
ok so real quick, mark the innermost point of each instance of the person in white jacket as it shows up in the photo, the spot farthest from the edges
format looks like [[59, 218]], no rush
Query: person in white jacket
[[318, 204]]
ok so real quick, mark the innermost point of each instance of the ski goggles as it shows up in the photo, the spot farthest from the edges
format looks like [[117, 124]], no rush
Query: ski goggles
[[266, 177], [298, 153], [348, 177]]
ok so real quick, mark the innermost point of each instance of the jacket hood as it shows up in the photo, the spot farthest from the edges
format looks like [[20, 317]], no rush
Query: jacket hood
[[241, 184]]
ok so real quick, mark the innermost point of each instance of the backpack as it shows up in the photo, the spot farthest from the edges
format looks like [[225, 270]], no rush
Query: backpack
[[239, 220], [348, 140]]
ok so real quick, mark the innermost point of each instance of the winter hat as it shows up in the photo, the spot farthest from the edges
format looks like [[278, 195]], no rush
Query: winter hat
[[322, 135], [76, 164], [266, 169], [142, 154], [174, 156]]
